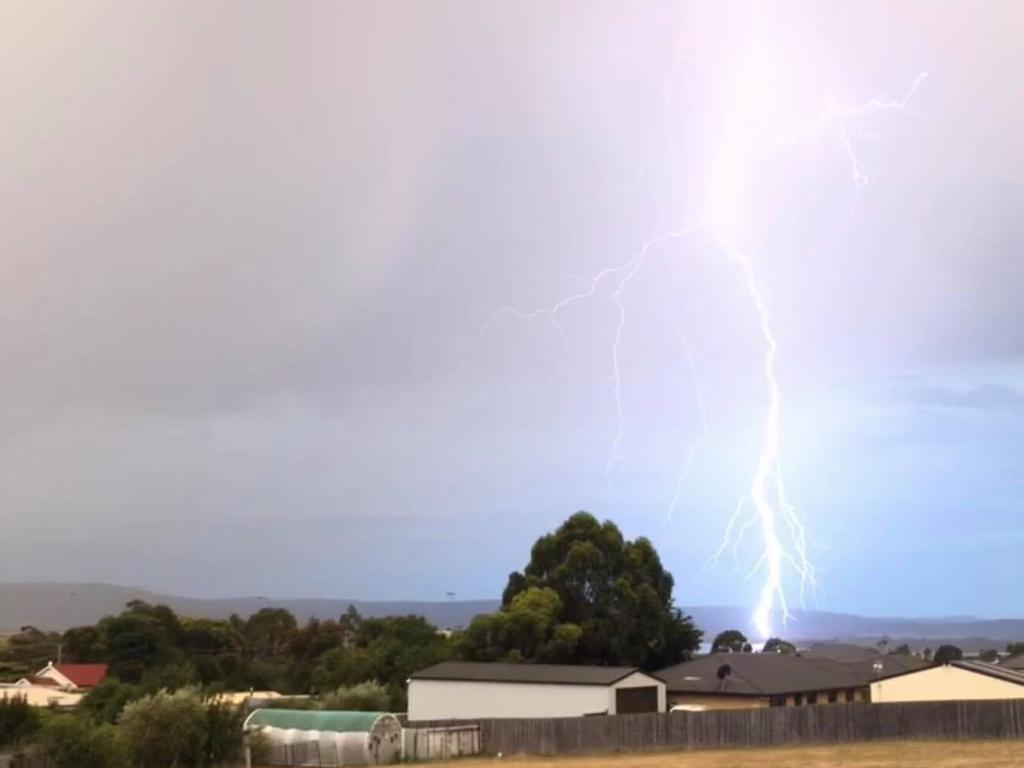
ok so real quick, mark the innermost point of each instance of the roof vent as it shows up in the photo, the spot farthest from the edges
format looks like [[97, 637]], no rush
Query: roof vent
[[724, 671]]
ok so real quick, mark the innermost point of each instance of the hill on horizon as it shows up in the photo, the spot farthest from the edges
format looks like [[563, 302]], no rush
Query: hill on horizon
[[57, 606]]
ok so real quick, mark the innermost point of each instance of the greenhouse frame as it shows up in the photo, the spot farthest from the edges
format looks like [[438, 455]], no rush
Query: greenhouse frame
[[327, 738]]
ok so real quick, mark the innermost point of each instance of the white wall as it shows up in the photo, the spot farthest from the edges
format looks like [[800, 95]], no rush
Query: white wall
[[41, 695], [945, 683], [466, 700]]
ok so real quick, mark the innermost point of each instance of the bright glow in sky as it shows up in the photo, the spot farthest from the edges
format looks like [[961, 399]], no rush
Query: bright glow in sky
[[246, 253]]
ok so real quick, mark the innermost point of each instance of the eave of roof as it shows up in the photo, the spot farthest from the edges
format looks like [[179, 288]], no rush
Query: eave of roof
[[980, 667], [532, 674]]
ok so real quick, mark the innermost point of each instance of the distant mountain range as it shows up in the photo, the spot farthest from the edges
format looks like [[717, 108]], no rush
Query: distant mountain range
[[58, 606]]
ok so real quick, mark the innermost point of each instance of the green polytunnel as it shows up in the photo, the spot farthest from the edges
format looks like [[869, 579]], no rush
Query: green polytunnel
[[315, 719], [328, 737]]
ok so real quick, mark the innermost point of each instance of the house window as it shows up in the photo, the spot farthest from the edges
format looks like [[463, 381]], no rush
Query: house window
[[851, 695], [798, 699], [777, 701], [833, 697], [812, 698]]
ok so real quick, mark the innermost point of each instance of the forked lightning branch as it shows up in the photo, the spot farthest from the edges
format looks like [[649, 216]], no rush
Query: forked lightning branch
[[750, 128]]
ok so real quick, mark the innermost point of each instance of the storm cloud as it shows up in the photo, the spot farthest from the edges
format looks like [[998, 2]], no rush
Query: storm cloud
[[247, 251]]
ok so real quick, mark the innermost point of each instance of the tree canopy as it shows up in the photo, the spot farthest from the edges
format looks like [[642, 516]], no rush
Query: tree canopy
[[947, 653], [148, 648], [778, 645], [729, 641], [587, 596]]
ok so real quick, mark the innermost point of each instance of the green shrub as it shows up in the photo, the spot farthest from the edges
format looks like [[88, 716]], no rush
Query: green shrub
[[368, 697], [106, 701], [171, 677], [224, 741], [181, 730], [164, 730], [69, 741], [292, 702], [260, 748], [18, 720]]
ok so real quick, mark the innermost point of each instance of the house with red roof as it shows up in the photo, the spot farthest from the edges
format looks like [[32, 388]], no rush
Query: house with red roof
[[70, 677]]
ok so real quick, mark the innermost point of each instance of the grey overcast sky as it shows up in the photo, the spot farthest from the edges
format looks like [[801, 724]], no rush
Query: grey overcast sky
[[248, 248]]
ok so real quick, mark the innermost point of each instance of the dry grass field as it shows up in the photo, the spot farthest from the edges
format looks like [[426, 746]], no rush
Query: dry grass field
[[968, 754]]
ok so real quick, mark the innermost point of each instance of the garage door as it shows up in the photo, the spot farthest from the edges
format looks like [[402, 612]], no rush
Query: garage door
[[630, 700]]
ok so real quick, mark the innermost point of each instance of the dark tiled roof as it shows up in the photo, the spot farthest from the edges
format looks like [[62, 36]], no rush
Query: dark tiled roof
[[992, 670], [891, 664], [843, 652], [561, 674], [1014, 662], [759, 674]]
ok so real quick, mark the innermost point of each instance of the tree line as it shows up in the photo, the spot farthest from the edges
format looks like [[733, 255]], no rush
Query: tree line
[[586, 596]]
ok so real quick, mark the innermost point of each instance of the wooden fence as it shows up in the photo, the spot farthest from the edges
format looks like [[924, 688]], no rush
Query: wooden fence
[[440, 743], [823, 724]]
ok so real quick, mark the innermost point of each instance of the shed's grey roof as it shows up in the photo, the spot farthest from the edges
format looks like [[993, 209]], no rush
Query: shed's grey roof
[[493, 672], [760, 674]]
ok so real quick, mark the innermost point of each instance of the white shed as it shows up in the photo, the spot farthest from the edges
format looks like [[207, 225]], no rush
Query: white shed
[[956, 681], [467, 690]]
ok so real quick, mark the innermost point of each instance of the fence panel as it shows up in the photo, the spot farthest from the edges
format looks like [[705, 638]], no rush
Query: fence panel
[[441, 743], [821, 724]]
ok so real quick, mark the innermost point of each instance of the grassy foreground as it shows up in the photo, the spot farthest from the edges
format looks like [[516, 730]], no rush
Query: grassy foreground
[[906, 754]]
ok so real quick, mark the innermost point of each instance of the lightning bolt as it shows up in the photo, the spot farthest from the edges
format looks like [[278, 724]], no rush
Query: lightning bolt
[[749, 127]]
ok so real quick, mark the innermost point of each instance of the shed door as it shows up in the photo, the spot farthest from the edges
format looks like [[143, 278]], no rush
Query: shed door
[[631, 700]]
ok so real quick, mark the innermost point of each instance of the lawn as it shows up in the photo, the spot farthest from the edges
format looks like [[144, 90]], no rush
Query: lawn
[[907, 754]]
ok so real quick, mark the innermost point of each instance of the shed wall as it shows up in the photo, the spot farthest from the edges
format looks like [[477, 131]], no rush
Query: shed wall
[[472, 700], [945, 683]]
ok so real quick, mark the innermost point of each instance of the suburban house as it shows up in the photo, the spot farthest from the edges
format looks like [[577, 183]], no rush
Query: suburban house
[[956, 681], [38, 695], [746, 680], [468, 690], [68, 677]]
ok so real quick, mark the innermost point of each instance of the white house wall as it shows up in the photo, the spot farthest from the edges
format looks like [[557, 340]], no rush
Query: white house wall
[[41, 695], [465, 700], [945, 683]]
